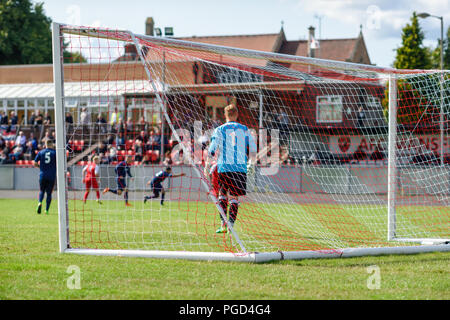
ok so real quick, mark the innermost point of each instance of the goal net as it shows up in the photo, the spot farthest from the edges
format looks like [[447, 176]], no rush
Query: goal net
[[350, 159]]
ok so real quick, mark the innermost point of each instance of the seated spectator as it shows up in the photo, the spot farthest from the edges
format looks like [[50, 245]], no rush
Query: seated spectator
[[146, 160], [143, 124], [102, 148], [38, 118], [16, 153], [104, 159], [167, 161], [47, 136], [47, 119], [100, 119], [139, 150], [69, 118], [33, 140], [13, 120], [2, 142], [110, 139], [4, 158], [284, 156], [143, 136], [101, 123], [154, 141], [120, 141], [30, 151], [120, 127], [21, 139], [84, 117], [3, 118], [130, 125], [112, 153]]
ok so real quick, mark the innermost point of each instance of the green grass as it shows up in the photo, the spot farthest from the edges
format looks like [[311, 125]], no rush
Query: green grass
[[32, 268]]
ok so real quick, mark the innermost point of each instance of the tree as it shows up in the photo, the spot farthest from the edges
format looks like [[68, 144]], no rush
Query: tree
[[25, 34], [436, 53], [412, 54]]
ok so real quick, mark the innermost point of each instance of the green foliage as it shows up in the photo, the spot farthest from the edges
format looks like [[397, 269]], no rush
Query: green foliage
[[73, 57], [412, 54], [25, 34], [419, 97], [447, 50]]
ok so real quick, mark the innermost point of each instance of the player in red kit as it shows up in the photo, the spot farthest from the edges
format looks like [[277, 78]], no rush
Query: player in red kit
[[90, 174], [214, 178]]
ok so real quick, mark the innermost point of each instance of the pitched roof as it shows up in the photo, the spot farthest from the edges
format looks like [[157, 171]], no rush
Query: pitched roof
[[260, 42], [331, 49]]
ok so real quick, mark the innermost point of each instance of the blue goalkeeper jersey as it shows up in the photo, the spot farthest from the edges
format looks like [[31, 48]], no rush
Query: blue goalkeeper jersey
[[232, 141]]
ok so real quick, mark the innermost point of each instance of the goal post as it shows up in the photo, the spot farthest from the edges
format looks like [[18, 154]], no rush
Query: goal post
[[346, 161]]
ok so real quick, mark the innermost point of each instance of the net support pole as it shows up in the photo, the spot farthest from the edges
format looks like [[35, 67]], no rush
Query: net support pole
[[61, 176], [392, 157], [441, 118]]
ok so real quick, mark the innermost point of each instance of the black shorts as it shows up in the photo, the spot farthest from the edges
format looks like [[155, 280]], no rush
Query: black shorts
[[156, 189], [233, 182]]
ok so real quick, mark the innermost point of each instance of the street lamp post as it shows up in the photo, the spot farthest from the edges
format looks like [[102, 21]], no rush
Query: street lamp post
[[425, 15]]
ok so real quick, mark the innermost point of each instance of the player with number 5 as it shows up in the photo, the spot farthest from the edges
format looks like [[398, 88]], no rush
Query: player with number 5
[[46, 161]]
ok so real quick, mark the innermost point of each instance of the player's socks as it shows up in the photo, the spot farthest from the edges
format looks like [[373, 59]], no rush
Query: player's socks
[[234, 210], [41, 196], [223, 203], [162, 198], [146, 198], [98, 195], [112, 191], [39, 208], [48, 202], [86, 194]]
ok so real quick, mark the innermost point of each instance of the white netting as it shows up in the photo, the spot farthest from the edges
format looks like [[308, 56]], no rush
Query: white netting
[[321, 179]]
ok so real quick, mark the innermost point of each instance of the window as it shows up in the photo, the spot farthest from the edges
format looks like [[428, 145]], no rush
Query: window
[[373, 103], [71, 102], [329, 109]]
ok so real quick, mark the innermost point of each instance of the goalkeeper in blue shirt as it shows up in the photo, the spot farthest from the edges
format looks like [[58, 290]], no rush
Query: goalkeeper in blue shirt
[[232, 144]]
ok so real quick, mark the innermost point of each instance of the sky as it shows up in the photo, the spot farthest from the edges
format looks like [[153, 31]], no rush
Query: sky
[[381, 20]]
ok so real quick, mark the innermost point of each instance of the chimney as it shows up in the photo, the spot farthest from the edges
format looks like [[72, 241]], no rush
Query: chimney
[[149, 26], [311, 36]]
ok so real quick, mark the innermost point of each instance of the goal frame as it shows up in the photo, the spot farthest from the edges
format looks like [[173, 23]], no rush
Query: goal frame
[[427, 245]]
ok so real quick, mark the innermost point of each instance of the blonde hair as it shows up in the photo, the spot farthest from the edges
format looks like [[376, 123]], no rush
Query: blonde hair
[[231, 111]]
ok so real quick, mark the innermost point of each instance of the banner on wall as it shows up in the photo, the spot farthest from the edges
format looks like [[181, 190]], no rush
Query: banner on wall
[[347, 144]]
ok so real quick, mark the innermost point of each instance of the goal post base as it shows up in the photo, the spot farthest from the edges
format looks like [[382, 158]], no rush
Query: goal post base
[[256, 257]]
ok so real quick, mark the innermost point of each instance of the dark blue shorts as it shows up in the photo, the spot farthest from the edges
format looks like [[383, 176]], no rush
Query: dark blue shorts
[[156, 189], [46, 184], [121, 183]]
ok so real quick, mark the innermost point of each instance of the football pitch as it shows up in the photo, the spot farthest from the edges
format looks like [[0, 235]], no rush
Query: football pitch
[[32, 268]]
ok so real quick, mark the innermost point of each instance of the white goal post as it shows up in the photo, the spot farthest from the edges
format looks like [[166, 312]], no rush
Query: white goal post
[[347, 162]]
